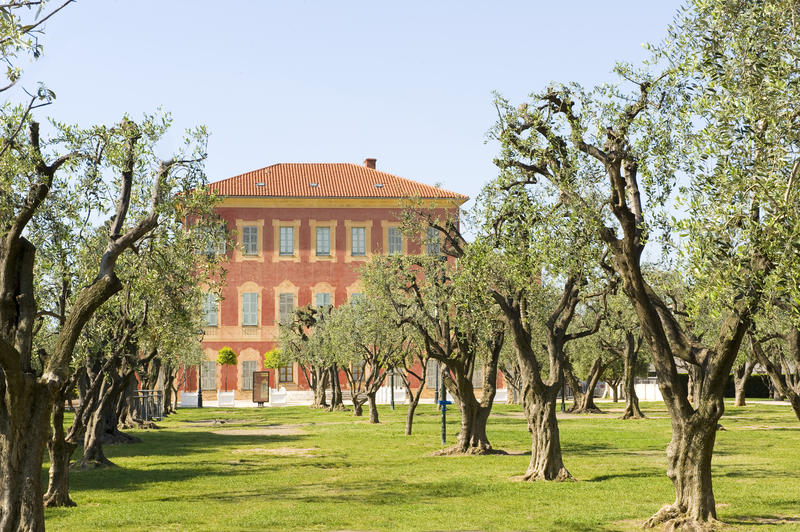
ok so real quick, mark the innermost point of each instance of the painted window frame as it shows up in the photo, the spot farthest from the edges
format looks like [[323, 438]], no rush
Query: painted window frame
[[326, 250], [208, 374], [362, 241], [286, 241], [286, 373], [211, 304], [249, 309], [250, 240], [433, 242], [284, 318], [394, 246], [247, 376], [327, 299]]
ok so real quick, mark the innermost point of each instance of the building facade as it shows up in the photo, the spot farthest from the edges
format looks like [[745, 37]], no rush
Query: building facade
[[301, 232]]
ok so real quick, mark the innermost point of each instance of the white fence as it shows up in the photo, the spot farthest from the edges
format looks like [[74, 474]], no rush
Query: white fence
[[283, 397], [647, 389]]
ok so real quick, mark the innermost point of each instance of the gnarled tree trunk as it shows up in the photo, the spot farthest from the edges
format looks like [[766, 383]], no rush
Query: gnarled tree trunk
[[320, 399], [689, 468], [413, 396], [695, 384], [632, 410], [373, 408], [336, 390], [317, 379], [472, 438], [740, 377], [93, 455], [539, 397], [60, 454], [584, 401], [540, 411], [574, 386], [358, 400], [24, 430], [513, 380], [784, 382], [413, 401]]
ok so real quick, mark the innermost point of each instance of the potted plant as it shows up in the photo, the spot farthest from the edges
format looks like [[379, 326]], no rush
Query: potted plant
[[226, 357]]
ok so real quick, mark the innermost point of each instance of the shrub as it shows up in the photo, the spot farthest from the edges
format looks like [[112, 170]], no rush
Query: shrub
[[226, 357], [272, 359]]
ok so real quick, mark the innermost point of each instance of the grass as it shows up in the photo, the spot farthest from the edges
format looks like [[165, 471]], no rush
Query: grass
[[301, 469]]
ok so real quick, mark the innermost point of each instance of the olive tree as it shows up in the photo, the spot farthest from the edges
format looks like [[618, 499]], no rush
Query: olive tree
[[429, 295], [774, 342], [724, 112], [534, 267], [365, 334], [297, 343], [620, 335], [29, 390]]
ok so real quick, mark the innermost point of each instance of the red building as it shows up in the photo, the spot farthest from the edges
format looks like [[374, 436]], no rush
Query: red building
[[301, 233]]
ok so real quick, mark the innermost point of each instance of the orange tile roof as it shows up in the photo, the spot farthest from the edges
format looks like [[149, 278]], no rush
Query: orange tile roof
[[333, 180]]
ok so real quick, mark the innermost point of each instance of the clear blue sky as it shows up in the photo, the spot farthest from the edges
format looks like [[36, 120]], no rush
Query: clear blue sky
[[409, 83]]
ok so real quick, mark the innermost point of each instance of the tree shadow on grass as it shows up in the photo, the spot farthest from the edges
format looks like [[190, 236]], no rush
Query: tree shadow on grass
[[161, 445], [371, 493], [167, 442], [753, 472], [648, 473], [571, 447], [762, 520]]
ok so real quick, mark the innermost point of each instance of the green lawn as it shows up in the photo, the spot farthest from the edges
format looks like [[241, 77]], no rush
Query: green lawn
[[299, 469]]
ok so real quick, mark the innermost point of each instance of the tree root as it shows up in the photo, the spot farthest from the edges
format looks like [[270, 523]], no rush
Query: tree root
[[58, 500], [633, 415], [134, 423], [87, 465], [119, 437], [672, 518], [562, 476], [469, 451], [588, 410]]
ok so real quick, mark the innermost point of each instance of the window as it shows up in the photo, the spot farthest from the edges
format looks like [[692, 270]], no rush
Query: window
[[286, 373], [210, 310], [249, 308], [287, 241], [323, 299], [358, 241], [208, 375], [355, 297], [477, 377], [248, 367], [250, 239], [323, 241], [395, 241], [285, 307], [432, 242], [215, 241], [358, 371], [432, 374]]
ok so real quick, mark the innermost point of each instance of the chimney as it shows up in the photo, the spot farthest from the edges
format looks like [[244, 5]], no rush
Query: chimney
[[370, 163]]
